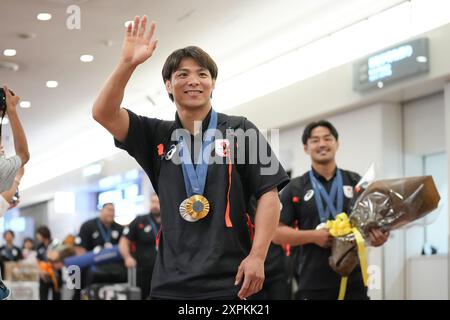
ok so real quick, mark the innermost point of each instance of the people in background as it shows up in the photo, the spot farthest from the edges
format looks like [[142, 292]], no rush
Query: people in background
[[138, 245]]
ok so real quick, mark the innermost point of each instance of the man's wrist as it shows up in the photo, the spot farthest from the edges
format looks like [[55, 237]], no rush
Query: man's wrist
[[126, 66]]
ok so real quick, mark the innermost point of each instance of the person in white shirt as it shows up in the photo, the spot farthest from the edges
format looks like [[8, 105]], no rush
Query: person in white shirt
[[9, 167]]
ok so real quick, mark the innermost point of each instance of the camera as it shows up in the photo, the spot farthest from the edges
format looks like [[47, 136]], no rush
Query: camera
[[15, 198], [3, 100]]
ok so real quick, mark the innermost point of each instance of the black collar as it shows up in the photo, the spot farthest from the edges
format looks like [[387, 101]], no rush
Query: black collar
[[322, 178], [205, 121]]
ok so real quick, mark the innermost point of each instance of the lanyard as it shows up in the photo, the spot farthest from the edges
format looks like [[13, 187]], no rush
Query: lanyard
[[195, 178], [106, 234], [336, 195], [153, 225]]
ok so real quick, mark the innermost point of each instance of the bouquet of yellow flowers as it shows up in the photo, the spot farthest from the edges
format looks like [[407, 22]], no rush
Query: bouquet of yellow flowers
[[385, 205]]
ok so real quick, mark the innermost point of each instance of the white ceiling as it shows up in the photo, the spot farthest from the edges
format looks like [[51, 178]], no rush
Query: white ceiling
[[237, 33]]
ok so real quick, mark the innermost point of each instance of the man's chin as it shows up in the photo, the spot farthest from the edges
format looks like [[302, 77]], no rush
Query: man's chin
[[323, 161]]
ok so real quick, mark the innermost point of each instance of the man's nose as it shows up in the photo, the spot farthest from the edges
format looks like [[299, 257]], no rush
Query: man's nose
[[193, 80]]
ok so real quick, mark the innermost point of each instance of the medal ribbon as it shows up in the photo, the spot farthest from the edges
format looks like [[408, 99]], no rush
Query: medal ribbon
[[106, 234], [153, 225], [336, 195], [195, 178]]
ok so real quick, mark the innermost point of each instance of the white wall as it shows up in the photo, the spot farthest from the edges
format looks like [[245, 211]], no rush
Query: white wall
[[447, 145], [424, 128]]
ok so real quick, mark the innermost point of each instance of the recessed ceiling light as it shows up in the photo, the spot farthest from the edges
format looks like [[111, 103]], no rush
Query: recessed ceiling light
[[87, 58], [5, 121], [127, 23], [43, 16], [380, 84], [25, 104], [52, 84], [421, 59], [9, 52]]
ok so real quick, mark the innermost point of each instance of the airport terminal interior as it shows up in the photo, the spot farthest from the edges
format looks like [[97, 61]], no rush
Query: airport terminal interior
[[84, 220]]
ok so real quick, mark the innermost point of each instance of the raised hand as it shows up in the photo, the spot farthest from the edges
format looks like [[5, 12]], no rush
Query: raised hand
[[138, 46], [11, 99]]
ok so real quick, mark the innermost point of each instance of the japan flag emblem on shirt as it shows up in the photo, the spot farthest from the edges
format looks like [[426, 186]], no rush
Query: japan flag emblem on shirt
[[221, 147], [348, 191]]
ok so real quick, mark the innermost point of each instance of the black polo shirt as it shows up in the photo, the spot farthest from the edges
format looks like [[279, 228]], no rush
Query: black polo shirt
[[10, 254], [199, 260], [313, 271], [41, 250], [90, 236], [142, 232]]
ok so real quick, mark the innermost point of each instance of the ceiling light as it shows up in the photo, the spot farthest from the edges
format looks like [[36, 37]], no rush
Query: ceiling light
[[87, 58], [127, 23], [380, 84], [9, 52], [52, 84], [25, 104], [421, 59], [44, 16]]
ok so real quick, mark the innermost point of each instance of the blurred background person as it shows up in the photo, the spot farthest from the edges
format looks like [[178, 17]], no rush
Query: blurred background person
[[96, 234], [48, 282], [138, 245], [29, 252], [9, 251]]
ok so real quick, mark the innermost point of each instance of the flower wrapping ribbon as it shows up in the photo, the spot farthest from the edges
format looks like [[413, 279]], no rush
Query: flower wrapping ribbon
[[340, 227]]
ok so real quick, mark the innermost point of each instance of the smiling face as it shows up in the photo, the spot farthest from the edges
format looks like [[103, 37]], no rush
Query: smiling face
[[191, 85], [321, 146]]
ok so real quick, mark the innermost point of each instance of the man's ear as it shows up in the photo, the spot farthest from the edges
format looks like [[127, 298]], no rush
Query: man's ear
[[169, 87], [306, 149]]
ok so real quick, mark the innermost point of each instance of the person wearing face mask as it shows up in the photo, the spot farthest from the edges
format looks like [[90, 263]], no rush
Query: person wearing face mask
[[138, 245], [311, 199]]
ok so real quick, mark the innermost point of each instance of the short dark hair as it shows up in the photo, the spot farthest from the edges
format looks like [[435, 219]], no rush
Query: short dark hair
[[28, 239], [107, 204], [321, 123], [9, 231], [45, 233], [201, 57]]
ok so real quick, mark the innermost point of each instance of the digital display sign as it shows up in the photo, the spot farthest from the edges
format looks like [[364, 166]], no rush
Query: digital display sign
[[398, 62]]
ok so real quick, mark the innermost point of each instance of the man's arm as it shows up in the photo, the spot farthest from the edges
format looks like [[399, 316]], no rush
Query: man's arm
[[124, 248], [20, 140], [9, 194], [137, 48], [251, 269], [288, 235]]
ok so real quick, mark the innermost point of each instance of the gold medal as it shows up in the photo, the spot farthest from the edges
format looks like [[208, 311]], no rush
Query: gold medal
[[197, 206]]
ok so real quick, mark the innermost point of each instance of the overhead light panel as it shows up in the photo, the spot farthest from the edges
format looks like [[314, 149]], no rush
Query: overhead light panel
[[52, 84], [9, 52], [86, 58], [25, 104], [43, 16]]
